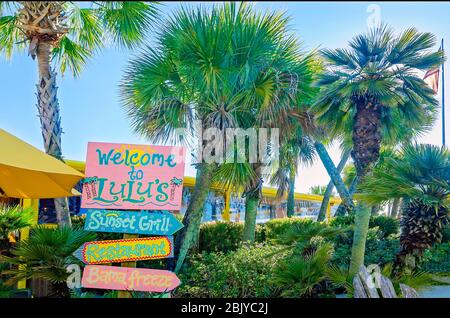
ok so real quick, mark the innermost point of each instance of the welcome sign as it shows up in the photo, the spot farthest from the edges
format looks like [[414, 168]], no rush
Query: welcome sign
[[128, 278], [126, 250], [126, 176], [143, 222]]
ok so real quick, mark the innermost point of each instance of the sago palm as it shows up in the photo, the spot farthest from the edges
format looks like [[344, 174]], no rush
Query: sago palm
[[66, 34], [46, 254], [369, 85], [421, 178], [12, 218]]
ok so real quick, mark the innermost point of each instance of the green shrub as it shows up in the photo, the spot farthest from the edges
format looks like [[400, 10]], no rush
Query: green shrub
[[446, 234], [220, 236], [386, 225], [276, 228], [246, 272], [437, 259], [343, 221], [379, 250]]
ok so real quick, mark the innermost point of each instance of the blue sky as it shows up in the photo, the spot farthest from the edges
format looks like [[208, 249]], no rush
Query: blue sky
[[90, 106]]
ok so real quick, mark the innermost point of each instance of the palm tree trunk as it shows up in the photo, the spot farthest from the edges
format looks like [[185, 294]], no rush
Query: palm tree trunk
[[251, 210], [342, 208], [290, 198], [50, 119], [187, 237], [252, 198], [333, 173], [362, 217], [272, 212], [366, 151], [330, 188]]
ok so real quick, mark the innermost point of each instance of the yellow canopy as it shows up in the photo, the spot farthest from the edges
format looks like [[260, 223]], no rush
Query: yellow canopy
[[27, 172]]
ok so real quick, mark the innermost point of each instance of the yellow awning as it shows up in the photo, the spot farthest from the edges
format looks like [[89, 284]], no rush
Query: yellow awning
[[27, 172]]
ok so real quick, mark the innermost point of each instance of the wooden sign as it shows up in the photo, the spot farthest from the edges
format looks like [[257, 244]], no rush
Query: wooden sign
[[133, 177], [143, 222], [126, 250], [128, 278]]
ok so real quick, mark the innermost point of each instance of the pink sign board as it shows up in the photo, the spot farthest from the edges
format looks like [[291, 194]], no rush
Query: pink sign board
[[133, 177], [128, 278]]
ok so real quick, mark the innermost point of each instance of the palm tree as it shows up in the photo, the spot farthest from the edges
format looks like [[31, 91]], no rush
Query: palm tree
[[365, 88], [294, 151], [223, 67], [69, 35], [12, 218], [421, 178], [318, 189], [46, 254]]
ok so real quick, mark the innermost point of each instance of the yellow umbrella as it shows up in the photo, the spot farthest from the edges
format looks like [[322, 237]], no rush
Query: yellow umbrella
[[27, 172]]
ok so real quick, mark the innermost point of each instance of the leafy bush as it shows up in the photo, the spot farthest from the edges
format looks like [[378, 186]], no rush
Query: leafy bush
[[379, 250], [446, 234], [46, 254], [247, 272], [342, 221], [437, 259], [220, 236], [276, 228], [386, 225], [301, 275]]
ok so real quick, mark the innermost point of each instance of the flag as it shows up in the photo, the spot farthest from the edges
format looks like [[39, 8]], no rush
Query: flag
[[432, 77]]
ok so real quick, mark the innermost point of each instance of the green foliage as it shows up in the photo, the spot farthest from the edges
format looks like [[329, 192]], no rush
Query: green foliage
[[303, 232], [13, 218], [220, 236], [436, 259], [446, 234], [341, 221], [300, 275], [379, 249], [418, 279], [382, 66], [421, 172], [46, 254], [276, 228], [246, 272], [387, 225], [318, 189], [125, 24], [340, 279]]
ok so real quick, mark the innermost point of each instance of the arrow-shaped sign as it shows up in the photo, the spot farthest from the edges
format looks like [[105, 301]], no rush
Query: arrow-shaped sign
[[128, 278], [131, 222], [126, 250]]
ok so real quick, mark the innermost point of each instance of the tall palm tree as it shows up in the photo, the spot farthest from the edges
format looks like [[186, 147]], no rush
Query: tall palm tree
[[68, 35], [224, 67], [365, 88], [294, 151], [420, 176], [291, 92]]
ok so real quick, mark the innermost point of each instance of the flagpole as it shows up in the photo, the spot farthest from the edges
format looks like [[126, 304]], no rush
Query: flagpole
[[443, 98]]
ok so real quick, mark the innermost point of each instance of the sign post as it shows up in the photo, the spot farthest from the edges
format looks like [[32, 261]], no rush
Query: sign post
[[134, 178]]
